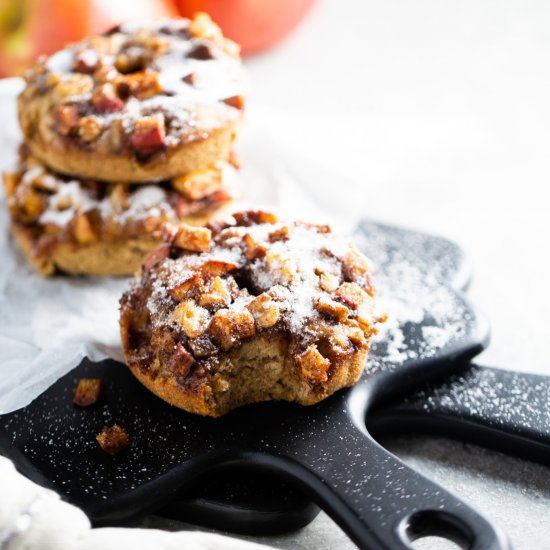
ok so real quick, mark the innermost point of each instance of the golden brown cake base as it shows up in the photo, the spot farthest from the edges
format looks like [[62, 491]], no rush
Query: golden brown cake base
[[72, 159], [115, 258], [261, 369]]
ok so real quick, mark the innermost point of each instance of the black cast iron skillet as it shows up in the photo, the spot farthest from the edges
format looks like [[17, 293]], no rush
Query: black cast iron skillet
[[324, 451]]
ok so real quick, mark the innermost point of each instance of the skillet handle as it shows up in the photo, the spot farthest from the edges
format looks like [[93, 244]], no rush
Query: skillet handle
[[379, 501], [504, 410]]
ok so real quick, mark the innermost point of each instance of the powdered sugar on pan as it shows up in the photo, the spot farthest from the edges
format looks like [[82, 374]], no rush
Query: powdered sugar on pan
[[416, 277]]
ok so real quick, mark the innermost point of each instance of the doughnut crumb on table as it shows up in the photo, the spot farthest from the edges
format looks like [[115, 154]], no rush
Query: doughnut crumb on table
[[136, 104], [249, 311], [87, 227]]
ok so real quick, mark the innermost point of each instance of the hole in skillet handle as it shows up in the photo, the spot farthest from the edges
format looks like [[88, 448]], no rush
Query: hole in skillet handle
[[436, 524]]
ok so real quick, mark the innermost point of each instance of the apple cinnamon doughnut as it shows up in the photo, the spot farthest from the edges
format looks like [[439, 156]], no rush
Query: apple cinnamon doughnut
[[136, 104], [88, 227], [253, 311]]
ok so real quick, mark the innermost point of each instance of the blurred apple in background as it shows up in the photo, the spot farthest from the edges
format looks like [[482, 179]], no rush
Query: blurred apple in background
[[29, 28], [255, 24]]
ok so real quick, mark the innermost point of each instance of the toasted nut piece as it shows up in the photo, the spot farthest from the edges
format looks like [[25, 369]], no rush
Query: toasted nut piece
[[182, 287], [77, 84], [281, 234], [195, 239], [85, 61], [117, 134], [142, 85], [312, 366], [252, 248], [231, 48], [332, 308], [45, 183], [130, 61], [156, 256], [119, 198], [87, 391], [217, 295], [228, 327], [202, 26], [202, 346], [149, 134], [192, 318], [105, 100], [32, 202], [181, 361], [83, 230], [264, 310], [357, 268], [367, 319], [236, 101], [351, 294], [254, 217], [329, 282], [200, 183], [190, 79], [113, 439], [67, 118], [10, 180], [211, 268], [283, 265], [354, 333], [89, 128], [322, 229]]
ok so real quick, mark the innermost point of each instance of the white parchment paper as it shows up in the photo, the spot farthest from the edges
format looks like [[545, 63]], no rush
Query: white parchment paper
[[47, 326]]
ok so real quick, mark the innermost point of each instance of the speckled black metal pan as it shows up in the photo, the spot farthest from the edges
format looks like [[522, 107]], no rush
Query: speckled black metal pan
[[324, 450]]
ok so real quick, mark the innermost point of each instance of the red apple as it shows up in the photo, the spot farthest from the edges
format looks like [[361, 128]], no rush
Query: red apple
[[29, 28], [254, 24]]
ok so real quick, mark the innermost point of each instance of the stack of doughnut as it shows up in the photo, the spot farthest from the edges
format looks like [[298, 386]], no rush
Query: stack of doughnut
[[127, 163], [122, 133]]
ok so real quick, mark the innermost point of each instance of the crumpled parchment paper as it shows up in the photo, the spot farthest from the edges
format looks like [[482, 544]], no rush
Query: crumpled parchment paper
[[47, 326]]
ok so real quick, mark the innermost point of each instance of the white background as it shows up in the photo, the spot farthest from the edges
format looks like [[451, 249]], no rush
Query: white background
[[440, 112]]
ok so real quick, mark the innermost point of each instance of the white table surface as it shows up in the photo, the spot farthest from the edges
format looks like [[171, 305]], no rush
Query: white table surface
[[440, 111]]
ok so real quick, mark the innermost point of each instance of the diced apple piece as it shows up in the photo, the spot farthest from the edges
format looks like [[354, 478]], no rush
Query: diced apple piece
[[87, 391], [199, 183], [228, 327], [149, 134], [254, 217], [192, 318], [67, 118], [181, 361], [83, 230], [180, 289], [194, 239], [264, 310], [332, 308], [351, 294], [105, 100], [312, 366], [113, 439], [216, 296]]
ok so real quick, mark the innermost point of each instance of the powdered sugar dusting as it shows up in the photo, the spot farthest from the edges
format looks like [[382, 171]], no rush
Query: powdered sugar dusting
[[416, 277]]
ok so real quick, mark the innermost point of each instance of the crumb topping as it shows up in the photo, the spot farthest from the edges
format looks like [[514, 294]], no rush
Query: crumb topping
[[143, 88], [255, 276], [59, 208]]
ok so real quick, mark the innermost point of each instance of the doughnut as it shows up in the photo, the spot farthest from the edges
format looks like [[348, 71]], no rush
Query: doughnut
[[137, 104], [86, 227], [249, 311]]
